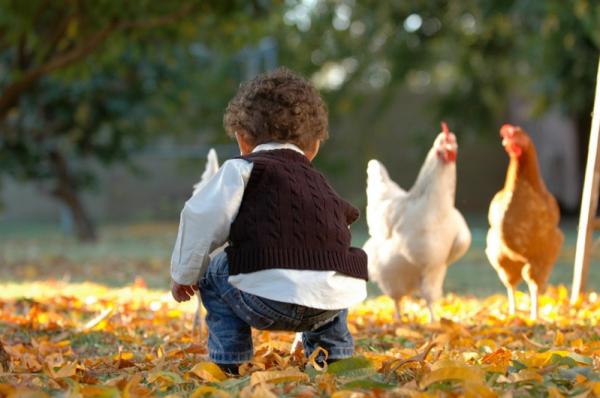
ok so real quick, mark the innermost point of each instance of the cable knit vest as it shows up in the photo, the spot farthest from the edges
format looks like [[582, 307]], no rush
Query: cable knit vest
[[290, 217]]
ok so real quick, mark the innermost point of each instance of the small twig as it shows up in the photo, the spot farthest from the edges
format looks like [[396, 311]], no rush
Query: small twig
[[4, 359], [418, 358], [531, 342]]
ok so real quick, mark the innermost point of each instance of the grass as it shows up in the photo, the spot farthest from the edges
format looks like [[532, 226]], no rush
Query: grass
[[127, 252]]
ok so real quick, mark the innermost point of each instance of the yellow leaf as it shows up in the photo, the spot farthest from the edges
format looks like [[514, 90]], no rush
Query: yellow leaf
[[453, 373], [577, 343], [210, 391], [312, 360], [348, 394], [473, 389], [407, 392], [553, 392], [123, 356], [88, 391], [559, 339], [408, 333], [282, 346], [6, 389], [130, 387], [208, 371], [595, 386], [278, 376], [258, 391], [580, 379], [164, 379], [499, 357], [68, 370]]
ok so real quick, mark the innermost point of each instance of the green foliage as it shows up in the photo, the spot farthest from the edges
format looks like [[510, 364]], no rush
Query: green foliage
[[87, 85], [467, 57], [98, 81]]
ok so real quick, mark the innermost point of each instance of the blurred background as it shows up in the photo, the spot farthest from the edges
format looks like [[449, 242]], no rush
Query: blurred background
[[107, 111]]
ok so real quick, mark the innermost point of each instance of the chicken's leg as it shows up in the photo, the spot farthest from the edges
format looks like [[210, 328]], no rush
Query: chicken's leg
[[398, 309], [432, 317], [510, 292], [197, 323], [533, 294]]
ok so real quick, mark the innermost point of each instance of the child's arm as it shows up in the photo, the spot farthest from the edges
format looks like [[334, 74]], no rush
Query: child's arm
[[204, 225]]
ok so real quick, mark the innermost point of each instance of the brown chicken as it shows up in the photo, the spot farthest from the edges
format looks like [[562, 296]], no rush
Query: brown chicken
[[524, 240]]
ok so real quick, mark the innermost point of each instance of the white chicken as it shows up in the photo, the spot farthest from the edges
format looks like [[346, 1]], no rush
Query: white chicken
[[415, 235]]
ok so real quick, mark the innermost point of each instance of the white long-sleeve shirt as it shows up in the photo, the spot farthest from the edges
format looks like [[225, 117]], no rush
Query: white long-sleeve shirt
[[204, 226]]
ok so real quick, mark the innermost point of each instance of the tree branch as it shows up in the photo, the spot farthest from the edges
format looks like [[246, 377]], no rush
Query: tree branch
[[11, 94], [159, 21], [22, 61], [55, 38]]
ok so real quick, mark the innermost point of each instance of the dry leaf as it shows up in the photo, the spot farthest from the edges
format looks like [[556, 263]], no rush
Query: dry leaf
[[208, 371], [279, 376]]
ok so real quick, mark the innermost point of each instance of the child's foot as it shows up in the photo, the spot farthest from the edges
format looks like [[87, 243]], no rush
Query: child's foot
[[230, 368]]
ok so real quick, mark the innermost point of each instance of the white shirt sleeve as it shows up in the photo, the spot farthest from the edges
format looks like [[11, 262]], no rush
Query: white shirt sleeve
[[206, 219]]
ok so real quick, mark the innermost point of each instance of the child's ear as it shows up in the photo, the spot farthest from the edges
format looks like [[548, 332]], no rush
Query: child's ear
[[244, 142], [311, 153]]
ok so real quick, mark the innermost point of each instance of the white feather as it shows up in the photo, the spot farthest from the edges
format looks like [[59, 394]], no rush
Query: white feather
[[211, 168]]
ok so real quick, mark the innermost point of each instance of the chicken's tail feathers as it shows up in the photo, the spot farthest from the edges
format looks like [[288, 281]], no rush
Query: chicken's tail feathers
[[379, 182], [376, 173], [211, 168]]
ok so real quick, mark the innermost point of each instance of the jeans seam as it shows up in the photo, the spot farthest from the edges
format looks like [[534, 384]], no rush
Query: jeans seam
[[237, 301], [252, 300], [230, 357]]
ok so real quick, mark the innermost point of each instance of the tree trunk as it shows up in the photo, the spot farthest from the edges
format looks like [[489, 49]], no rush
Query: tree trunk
[[66, 192]]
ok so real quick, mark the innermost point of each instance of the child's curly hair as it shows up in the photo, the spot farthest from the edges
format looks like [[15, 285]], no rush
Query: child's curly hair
[[278, 106]]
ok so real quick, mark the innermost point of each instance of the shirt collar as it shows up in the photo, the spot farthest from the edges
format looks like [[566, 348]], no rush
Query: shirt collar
[[270, 146]]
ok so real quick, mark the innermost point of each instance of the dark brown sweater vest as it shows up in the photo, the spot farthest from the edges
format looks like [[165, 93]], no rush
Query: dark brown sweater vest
[[291, 218]]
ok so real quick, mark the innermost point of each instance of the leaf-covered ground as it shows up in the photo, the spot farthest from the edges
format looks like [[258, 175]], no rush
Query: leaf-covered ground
[[88, 340]]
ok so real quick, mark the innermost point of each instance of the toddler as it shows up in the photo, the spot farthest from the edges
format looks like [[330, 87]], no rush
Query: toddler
[[288, 263]]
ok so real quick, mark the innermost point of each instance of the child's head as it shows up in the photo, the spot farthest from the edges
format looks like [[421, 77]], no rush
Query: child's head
[[278, 106]]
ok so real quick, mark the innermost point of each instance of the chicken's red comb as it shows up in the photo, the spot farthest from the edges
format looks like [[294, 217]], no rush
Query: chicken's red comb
[[445, 128], [507, 130]]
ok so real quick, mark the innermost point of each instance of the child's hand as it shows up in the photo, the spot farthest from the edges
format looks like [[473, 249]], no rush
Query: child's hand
[[182, 292]]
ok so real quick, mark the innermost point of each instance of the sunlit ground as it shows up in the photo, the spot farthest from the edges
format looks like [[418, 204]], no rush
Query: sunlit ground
[[124, 336], [30, 252], [93, 341]]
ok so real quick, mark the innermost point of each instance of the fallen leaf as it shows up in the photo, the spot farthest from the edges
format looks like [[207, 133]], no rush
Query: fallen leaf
[[278, 376], [208, 371], [454, 371]]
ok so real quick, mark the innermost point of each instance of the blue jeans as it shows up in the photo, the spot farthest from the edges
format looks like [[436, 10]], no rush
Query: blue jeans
[[230, 313]]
